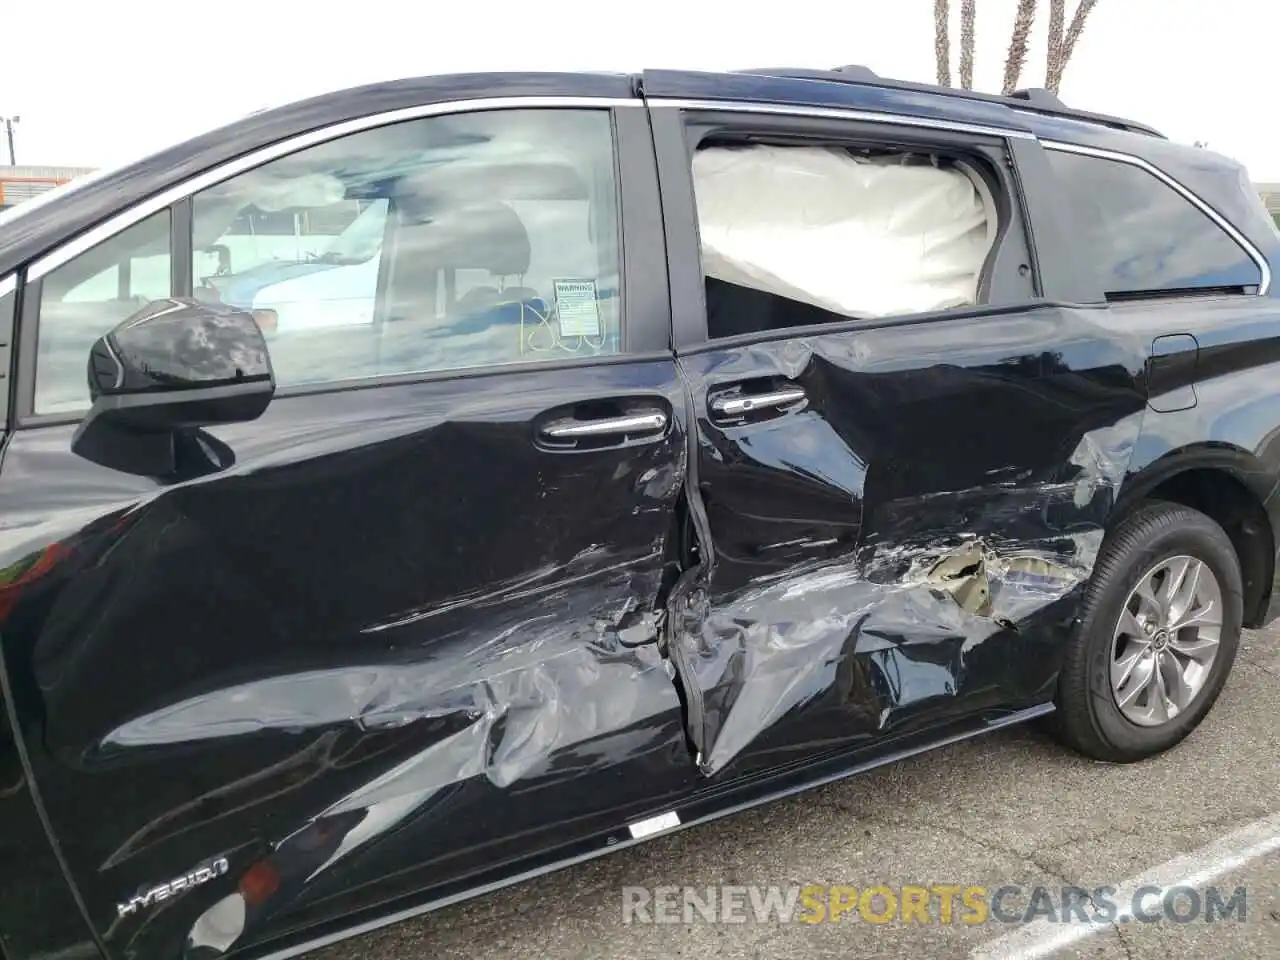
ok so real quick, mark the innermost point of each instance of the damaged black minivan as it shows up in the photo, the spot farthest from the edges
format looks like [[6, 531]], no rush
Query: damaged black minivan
[[419, 487]]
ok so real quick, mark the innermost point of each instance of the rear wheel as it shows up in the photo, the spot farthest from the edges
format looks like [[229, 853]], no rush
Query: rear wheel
[[1156, 638]]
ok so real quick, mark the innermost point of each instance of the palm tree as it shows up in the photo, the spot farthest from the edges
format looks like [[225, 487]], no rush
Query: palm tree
[[1061, 44], [1060, 55], [1057, 23], [942, 40], [1022, 22], [967, 15]]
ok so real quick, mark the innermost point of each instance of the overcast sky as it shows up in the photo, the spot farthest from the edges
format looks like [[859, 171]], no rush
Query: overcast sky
[[97, 83]]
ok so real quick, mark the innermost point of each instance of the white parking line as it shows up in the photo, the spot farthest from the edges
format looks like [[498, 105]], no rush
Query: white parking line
[[1043, 937]]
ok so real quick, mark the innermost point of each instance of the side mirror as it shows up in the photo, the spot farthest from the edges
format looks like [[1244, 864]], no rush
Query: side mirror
[[176, 366]]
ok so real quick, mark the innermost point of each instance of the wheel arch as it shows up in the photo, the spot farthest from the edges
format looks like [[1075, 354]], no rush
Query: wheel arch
[[1233, 487]]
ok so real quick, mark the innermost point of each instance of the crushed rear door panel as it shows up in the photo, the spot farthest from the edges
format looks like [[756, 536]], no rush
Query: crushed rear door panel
[[904, 544]]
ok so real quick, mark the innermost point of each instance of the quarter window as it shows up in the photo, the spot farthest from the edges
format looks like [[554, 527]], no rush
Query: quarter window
[[1142, 236], [87, 296]]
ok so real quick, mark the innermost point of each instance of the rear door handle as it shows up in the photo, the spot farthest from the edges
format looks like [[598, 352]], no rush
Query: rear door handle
[[630, 425], [742, 404]]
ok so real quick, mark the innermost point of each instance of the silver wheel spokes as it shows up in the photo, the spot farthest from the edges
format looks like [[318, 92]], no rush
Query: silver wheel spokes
[[1166, 641]]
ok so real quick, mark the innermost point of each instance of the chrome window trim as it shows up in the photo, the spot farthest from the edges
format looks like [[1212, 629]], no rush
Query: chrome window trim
[[140, 211], [8, 284], [1264, 268], [841, 113]]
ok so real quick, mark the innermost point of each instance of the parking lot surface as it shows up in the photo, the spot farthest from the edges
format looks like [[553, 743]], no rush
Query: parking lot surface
[[1013, 808]]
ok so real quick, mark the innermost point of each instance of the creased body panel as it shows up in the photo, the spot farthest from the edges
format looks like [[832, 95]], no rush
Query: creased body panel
[[906, 545], [394, 643]]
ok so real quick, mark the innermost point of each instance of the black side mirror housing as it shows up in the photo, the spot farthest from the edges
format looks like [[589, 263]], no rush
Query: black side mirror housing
[[157, 379]]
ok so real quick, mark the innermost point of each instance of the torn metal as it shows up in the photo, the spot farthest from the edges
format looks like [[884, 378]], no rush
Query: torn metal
[[919, 626]]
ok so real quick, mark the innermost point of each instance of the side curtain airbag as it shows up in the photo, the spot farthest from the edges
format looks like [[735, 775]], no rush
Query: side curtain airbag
[[860, 237]]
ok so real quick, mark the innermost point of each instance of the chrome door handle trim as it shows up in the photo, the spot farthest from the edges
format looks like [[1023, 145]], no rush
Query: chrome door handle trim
[[737, 406], [636, 423]]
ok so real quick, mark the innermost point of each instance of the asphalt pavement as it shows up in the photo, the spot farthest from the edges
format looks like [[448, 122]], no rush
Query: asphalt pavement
[[1010, 809]]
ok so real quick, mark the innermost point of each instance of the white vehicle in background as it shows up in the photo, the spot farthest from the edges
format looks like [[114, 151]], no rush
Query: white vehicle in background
[[334, 287]]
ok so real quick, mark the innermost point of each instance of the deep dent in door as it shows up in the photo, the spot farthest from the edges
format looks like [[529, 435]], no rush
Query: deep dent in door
[[894, 624], [554, 677], [532, 699]]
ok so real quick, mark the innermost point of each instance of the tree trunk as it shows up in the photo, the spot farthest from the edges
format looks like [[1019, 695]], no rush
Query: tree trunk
[[1022, 22], [1053, 77], [967, 15], [1057, 23], [942, 40]]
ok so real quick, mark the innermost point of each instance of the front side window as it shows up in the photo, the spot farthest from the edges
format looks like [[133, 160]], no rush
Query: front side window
[[438, 244], [1142, 236], [447, 243]]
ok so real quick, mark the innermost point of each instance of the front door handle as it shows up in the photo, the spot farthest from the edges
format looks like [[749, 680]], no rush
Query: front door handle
[[742, 404], [630, 425]]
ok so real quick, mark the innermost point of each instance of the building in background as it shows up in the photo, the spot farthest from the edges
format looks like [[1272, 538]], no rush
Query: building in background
[[22, 183]]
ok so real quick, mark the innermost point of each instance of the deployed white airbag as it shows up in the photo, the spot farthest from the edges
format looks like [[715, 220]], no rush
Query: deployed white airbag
[[860, 237]]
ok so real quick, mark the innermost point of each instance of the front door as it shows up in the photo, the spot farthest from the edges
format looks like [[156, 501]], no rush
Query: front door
[[407, 633], [904, 469]]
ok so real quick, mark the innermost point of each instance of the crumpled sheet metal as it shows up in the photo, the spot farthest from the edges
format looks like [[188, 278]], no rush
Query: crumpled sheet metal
[[891, 630], [785, 643], [548, 694], [546, 681]]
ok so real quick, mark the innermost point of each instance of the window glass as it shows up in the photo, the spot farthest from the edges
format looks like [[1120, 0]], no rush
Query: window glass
[[795, 236], [1142, 235], [88, 296], [437, 244]]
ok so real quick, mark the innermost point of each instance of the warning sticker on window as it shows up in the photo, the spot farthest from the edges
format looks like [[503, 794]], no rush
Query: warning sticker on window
[[578, 308]]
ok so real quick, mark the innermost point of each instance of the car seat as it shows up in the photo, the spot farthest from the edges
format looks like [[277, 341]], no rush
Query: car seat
[[493, 238]]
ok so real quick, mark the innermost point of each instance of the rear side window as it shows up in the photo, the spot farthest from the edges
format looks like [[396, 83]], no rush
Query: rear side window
[[1142, 236]]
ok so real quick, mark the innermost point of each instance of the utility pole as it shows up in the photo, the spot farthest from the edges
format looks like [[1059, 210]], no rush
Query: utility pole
[[8, 130]]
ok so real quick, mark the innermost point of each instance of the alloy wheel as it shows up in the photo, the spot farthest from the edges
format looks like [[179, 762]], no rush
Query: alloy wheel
[[1166, 641]]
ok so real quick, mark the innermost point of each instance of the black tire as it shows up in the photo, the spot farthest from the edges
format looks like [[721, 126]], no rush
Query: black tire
[[1087, 716]]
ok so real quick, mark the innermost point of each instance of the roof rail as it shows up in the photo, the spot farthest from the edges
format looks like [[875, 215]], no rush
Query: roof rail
[[856, 70], [1040, 97], [850, 74], [1034, 100]]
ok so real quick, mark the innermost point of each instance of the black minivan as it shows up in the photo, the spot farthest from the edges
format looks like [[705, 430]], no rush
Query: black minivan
[[678, 441]]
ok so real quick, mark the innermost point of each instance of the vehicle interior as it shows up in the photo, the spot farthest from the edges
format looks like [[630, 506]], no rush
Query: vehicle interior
[[445, 284]]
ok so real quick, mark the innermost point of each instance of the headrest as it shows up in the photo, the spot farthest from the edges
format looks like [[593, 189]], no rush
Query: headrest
[[480, 236]]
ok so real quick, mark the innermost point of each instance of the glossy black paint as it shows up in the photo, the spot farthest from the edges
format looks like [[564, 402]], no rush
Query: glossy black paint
[[174, 367], [388, 647], [178, 344], [390, 614], [816, 625]]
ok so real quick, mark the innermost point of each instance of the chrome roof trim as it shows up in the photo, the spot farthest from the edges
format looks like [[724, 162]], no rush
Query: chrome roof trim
[[840, 113]]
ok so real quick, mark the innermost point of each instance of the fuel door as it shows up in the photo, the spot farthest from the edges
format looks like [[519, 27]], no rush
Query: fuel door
[[1171, 372]]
